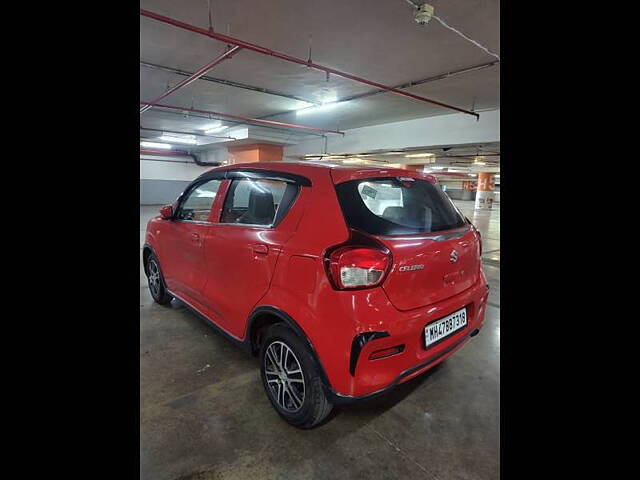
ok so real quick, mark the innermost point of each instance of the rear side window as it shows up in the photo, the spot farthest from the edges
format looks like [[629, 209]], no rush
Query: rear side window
[[395, 206], [257, 201]]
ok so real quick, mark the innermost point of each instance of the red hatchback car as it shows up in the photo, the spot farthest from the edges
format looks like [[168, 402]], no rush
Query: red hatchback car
[[344, 281]]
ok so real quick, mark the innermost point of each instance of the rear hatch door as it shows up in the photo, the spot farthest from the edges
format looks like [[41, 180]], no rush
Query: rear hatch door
[[435, 250]]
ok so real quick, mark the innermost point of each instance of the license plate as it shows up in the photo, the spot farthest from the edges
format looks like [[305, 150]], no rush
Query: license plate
[[444, 327]]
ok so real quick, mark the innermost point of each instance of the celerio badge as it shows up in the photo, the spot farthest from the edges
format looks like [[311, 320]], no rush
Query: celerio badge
[[410, 268]]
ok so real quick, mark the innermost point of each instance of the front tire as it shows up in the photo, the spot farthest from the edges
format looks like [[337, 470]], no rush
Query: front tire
[[291, 380], [157, 288]]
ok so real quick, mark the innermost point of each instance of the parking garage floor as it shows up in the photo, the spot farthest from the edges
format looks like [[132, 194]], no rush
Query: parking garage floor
[[204, 415]]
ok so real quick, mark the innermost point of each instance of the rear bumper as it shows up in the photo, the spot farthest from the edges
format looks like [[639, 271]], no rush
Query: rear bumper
[[415, 371], [369, 378]]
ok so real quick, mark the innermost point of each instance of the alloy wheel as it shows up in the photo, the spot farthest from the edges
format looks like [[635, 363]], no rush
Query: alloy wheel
[[154, 278], [284, 376]]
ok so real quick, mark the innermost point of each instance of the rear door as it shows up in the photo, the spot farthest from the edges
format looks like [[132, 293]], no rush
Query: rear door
[[435, 250], [241, 250]]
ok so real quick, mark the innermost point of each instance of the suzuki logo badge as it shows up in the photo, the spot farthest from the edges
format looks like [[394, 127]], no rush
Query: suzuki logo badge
[[453, 257]]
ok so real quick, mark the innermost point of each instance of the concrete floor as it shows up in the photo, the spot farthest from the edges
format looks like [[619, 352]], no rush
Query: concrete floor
[[204, 414]]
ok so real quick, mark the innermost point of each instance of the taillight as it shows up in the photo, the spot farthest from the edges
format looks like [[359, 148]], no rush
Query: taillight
[[358, 267]]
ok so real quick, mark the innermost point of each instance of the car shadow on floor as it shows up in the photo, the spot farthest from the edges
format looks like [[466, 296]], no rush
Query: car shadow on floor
[[367, 409]]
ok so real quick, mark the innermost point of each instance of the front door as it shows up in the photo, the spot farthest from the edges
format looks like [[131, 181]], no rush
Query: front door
[[182, 245]]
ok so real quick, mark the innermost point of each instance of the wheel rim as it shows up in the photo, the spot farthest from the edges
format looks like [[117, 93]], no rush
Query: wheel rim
[[284, 376], [154, 278]]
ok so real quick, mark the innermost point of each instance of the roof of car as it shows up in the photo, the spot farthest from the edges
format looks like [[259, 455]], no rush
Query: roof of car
[[340, 172]]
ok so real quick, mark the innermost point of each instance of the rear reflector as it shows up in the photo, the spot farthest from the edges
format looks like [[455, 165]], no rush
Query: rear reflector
[[387, 352]]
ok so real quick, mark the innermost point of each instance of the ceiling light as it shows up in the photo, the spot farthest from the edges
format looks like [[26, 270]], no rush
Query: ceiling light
[[320, 108], [420, 155], [217, 129], [479, 163], [162, 146], [209, 126], [169, 138]]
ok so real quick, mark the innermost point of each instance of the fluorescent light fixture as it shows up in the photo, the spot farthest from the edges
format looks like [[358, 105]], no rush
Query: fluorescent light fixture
[[479, 163], [168, 138], [328, 103], [325, 107], [217, 129], [162, 146], [209, 126], [420, 155]]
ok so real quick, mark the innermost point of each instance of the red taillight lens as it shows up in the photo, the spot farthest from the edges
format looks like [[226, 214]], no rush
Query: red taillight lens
[[353, 267]]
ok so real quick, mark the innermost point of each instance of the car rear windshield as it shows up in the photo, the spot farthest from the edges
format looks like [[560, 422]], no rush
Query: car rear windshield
[[397, 205]]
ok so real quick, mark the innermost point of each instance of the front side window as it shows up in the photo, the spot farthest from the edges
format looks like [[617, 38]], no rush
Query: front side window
[[197, 206], [391, 206], [255, 201]]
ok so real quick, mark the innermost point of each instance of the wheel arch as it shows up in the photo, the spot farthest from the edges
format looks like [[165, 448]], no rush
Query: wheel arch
[[147, 250], [265, 315]]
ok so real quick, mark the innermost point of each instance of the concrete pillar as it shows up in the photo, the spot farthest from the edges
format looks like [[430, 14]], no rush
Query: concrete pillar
[[484, 194], [256, 152], [413, 168]]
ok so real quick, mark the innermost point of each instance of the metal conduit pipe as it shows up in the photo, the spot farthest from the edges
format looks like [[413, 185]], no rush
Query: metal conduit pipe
[[247, 119], [231, 83], [299, 61], [194, 76]]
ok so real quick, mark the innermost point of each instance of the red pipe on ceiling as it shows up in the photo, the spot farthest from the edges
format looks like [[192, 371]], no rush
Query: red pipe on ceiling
[[192, 78], [289, 58], [269, 123]]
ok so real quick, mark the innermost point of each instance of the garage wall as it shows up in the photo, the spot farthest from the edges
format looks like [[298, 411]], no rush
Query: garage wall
[[162, 178]]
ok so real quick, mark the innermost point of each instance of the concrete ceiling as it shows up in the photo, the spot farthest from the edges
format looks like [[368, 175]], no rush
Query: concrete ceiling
[[375, 39], [467, 158]]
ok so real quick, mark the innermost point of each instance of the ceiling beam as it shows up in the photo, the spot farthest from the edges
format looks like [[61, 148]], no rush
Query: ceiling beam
[[162, 130], [299, 61]]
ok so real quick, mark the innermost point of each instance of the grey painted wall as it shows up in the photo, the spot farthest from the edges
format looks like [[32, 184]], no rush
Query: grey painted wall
[[160, 192]]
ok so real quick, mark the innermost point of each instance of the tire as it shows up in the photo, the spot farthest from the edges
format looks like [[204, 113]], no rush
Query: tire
[[157, 288], [303, 405]]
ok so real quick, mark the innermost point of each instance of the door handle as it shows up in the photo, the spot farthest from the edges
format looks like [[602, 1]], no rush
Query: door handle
[[195, 237], [260, 249]]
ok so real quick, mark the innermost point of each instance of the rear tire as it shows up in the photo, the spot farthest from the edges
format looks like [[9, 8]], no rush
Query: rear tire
[[157, 288], [291, 379]]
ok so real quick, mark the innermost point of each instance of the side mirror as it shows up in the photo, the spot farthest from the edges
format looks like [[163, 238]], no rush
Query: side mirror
[[166, 212]]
